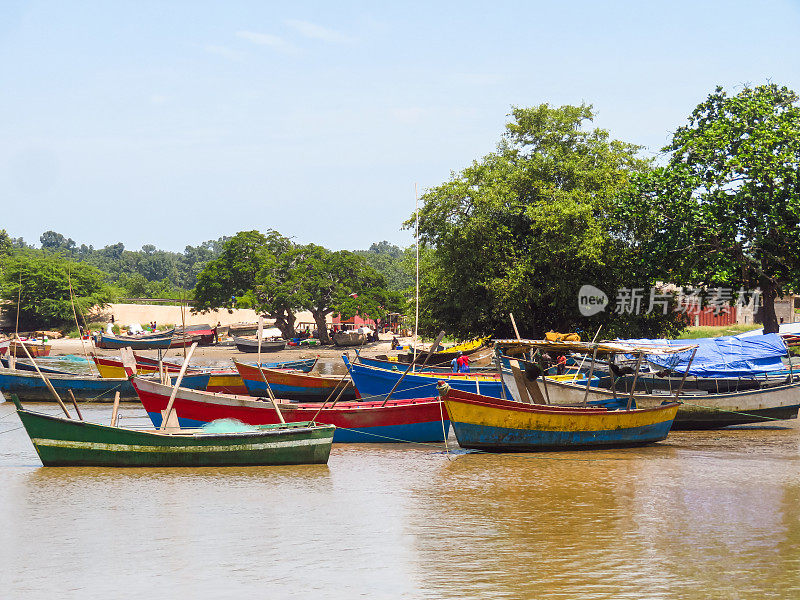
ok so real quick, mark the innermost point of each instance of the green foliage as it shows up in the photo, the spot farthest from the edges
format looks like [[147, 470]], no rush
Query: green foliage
[[233, 273], [522, 229], [136, 285], [277, 278], [323, 282], [154, 265], [389, 260], [45, 297], [5, 243], [725, 211]]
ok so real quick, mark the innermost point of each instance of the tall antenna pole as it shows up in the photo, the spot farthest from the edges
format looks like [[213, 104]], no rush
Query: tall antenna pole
[[416, 316], [19, 301]]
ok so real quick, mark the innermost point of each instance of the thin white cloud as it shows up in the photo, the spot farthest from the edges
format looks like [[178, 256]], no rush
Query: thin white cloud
[[266, 39], [224, 51], [318, 32]]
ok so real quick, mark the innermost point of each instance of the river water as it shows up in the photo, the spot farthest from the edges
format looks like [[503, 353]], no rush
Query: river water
[[702, 515]]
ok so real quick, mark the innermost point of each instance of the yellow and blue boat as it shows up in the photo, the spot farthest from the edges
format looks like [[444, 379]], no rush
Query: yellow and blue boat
[[498, 425]]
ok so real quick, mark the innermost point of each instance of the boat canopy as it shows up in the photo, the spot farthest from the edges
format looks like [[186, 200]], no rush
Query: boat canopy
[[728, 356], [637, 347]]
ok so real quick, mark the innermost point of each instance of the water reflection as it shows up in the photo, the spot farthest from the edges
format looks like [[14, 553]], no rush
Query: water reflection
[[658, 522], [704, 515]]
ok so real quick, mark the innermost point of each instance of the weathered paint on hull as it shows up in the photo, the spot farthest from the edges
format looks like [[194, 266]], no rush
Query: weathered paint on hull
[[500, 439], [360, 422], [703, 411], [115, 343], [29, 386], [508, 426], [430, 431], [61, 442], [293, 386], [377, 383]]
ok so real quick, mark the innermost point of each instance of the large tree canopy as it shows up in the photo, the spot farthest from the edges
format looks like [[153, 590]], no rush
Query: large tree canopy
[[45, 297], [725, 210], [322, 282], [234, 275], [525, 227]]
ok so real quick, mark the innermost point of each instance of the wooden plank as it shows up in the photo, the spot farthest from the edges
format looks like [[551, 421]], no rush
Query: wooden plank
[[177, 385], [115, 411], [129, 361], [519, 379], [75, 404]]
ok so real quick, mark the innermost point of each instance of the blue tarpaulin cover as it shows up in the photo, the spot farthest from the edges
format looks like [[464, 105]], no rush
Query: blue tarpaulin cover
[[728, 356]]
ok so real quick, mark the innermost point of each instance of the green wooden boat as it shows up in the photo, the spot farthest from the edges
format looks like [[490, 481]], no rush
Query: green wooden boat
[[66, 442]]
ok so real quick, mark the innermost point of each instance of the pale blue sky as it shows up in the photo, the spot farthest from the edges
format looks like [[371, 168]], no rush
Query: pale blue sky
[[175, 122]]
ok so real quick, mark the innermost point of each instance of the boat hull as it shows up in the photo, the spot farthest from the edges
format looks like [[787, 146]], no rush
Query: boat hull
[[224, 381], [30, 387], [293, 386], [495, 425], [36, 350], [697, 411], [356, 422], [393, 365], [377, 383], [145, 343], [62, 442], [251, 346]]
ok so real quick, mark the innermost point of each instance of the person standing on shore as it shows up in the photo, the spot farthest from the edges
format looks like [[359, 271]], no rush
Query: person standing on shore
[[455, 365]]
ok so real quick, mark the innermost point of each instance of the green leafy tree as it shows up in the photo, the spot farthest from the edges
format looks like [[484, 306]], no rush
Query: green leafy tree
[[45, 296], [325, 282], [56, 242], [725, 210], [239, 273], [388, 260], [522, 229], [5, 243]]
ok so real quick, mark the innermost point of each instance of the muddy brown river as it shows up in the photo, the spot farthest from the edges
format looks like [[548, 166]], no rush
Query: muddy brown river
[[702, 515]]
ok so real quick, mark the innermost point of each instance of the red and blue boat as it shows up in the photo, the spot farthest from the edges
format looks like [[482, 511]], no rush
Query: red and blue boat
[[294, 386], [420, 420], [375, 383]]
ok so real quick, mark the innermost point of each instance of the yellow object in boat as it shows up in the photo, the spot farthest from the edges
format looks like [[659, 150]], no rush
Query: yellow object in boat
[[553, 336]]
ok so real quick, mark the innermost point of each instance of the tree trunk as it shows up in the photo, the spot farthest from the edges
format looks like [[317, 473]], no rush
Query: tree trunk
[[322, 326], [769, 291], [285, 322]]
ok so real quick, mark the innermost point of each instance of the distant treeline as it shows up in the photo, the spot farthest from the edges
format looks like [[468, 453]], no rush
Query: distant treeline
[[154, 273]]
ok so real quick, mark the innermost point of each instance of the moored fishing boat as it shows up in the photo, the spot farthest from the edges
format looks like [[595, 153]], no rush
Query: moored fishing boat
[[372, 382], [152, 342], [351, 337], [293, 386], [35, 348], [66, 442], [23, 365], [250, 345], [439, 357], [29, 386], [421, 420], [394, 365], [109, 366], [698, 410], [497, 425]]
